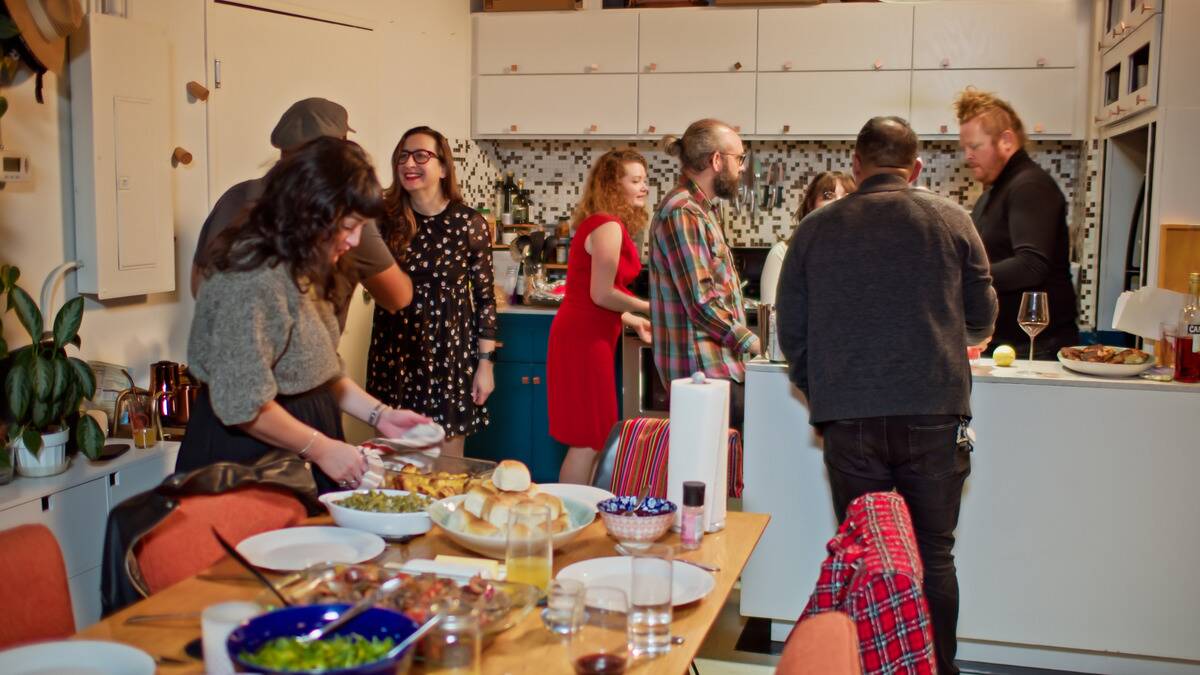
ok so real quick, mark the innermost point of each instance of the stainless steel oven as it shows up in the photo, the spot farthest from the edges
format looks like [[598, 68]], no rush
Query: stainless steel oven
[[643, 393]]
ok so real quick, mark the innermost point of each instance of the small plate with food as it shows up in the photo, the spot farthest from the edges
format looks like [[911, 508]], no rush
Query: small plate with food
[[387, 513], [1105, 361]]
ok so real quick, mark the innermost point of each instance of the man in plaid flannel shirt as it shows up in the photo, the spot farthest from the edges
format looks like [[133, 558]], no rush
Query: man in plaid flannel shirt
[[696, 309]]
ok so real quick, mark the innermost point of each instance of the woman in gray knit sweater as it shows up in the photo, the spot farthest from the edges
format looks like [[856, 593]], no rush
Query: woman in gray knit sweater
[[264, 337]]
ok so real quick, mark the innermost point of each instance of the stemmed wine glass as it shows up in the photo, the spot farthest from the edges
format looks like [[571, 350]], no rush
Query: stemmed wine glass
[[1033, 316]]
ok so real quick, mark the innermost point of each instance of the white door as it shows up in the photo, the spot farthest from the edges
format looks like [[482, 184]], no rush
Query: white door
[[555, 43], [668, 103], [556, 105], [828, 103], [698, 41], [1015, 34], [831, 37], [1043, 97]]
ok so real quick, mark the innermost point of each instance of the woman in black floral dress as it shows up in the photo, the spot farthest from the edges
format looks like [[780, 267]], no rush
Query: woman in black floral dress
[[434, 356]]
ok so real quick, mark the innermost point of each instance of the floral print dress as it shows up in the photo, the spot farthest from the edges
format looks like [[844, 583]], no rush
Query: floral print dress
[[423, 357]]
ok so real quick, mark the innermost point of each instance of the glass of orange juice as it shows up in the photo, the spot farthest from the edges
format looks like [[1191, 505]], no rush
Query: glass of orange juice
[[529, 554]]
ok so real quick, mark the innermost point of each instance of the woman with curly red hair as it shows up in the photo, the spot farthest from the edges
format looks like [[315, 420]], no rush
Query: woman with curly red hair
[[602, 262]]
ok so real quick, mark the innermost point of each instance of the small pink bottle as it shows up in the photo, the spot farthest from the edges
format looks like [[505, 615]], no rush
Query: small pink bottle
[[691, 518]]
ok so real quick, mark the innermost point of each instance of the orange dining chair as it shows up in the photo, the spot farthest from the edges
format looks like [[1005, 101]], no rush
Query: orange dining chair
[[823, 644], [636, 454], [33, 587], [183, 545]]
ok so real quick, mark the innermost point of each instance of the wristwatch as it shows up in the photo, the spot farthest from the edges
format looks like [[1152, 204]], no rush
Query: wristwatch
[[485, 356]]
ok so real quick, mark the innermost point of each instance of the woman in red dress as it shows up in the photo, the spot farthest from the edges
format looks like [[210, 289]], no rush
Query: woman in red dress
[[602, 262]]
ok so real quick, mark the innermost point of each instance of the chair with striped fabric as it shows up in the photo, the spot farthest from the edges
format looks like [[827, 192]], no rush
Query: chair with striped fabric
[[636, 453], [33, 587]]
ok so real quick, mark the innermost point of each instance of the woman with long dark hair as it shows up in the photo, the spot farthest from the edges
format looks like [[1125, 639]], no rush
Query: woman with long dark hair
[[601, 264], [264, 336], [435, 356], [824, 187]]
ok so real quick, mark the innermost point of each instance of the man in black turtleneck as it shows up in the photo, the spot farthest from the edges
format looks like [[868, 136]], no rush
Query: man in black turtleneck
[[1022, 219]]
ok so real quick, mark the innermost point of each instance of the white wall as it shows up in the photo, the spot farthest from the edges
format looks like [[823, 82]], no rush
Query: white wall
[[425, 79]]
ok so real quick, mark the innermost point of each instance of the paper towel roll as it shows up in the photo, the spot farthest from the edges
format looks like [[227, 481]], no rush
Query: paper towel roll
[[699, 442]]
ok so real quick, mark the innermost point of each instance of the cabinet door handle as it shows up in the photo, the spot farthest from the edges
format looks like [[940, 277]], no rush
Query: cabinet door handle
[[1146, 7], [787, 128], [737, 65], [594, 128], [594, 67], [1039, 128], [46, 503], [1120, 110], [944, 129], [1041, 62], [1140, 99], [512, 128], [512, 68], [878, 65], [537, 380], [946, 62], [525, 379], [787, 65], [650, 129], [652, 67]]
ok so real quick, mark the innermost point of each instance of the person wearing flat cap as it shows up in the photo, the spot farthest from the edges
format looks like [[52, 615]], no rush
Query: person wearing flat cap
[[370, 263]]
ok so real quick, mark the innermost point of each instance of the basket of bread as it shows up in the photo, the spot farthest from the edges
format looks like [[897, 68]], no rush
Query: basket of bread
[[478, 520], [1105, 361]]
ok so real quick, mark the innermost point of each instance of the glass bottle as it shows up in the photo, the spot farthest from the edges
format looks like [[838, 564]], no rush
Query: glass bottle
[[1187, 339], [691, 518], [507, 188], [520, 203]]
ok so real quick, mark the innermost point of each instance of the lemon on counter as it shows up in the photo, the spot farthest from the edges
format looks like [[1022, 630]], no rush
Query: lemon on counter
[[1004, 355]]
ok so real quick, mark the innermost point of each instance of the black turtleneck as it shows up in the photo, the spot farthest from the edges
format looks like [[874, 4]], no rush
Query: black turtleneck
[[1022, 219]]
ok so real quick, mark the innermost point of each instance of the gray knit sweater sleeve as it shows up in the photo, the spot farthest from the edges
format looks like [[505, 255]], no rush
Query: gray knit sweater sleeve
[[254, 336]]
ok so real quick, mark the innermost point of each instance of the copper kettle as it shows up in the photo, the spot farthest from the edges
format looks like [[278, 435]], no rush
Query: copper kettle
[[174, 391]]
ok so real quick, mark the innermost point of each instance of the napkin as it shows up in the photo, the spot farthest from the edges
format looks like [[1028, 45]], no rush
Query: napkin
[[374, 477], [1140, 312]]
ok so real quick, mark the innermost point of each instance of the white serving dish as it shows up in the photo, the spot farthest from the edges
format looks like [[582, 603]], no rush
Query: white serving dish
[[688, 583], [294, 548], [78, 657], [580, 514], [584, 493], [387, 525], [1105, 369]]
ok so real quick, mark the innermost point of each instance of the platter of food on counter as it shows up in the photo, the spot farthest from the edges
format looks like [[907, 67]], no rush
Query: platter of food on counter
[[1105, 361], [390, 514], [478, 520], [430, 473]]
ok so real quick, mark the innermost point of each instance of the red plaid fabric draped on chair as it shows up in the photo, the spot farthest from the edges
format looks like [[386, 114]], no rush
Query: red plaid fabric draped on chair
[[873, 574], [642, 450]]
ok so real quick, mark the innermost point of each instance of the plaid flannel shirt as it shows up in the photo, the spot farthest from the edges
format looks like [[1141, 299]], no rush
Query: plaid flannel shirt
[[696, 309], [873, 573]]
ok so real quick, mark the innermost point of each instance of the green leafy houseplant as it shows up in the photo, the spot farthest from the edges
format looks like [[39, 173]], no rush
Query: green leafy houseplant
[[43, 387]]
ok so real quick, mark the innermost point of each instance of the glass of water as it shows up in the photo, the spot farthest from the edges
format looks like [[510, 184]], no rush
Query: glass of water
[[564, 606], [650, 601]]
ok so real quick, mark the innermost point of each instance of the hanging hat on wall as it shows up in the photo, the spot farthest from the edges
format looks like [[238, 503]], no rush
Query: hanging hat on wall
[[44, 26]]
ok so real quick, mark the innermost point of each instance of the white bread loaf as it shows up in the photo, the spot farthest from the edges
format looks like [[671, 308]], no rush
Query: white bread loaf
[[477, 496], [496, 508], [512, 476], [552, 502], [463, 521]]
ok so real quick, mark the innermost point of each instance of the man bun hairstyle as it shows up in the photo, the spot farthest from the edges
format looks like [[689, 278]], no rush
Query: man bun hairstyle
[[699, 142], [887, 142], [996, 115]]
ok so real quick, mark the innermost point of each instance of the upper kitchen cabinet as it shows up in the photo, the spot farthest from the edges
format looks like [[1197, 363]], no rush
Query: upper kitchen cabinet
[[1122, 18], [668, 103], [1043, 97], [1015, 34], [1129, 74], [556, 105], [830, 37], [697, 41], [842, 102], [521, 43]]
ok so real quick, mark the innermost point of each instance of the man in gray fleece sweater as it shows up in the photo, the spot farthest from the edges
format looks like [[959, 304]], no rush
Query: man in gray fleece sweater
[[880, 295]]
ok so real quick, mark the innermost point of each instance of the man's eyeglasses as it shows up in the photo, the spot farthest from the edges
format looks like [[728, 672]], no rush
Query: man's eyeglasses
[[741, 159], [418, 156]]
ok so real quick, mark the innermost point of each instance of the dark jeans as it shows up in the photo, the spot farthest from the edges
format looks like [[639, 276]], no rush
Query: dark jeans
[[918, 456]]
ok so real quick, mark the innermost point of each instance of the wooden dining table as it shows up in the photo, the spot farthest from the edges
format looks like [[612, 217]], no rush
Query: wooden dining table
[[527, 647]]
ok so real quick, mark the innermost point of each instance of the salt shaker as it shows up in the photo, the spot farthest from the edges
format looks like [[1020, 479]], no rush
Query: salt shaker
[[691, 519]]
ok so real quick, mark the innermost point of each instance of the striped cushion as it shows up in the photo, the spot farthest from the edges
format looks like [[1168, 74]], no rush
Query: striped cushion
[[641, 460]]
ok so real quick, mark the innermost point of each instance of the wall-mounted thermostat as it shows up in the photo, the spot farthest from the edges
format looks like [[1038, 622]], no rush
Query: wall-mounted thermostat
[[16, 168]]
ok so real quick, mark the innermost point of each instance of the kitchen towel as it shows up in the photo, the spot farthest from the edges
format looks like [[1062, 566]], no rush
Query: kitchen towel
[[698, 447], [1142, 311]]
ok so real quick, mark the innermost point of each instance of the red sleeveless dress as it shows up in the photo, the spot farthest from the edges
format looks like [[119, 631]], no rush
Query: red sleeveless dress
[[580, 380]]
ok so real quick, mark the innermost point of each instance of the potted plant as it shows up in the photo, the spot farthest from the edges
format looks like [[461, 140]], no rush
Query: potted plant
[[43, 387]]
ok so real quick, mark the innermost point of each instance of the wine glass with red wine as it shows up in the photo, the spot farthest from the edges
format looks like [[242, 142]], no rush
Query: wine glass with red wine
[[599, 647], [1034, 315]]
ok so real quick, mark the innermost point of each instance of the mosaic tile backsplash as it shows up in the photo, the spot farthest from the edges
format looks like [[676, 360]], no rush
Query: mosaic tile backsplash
[[555, 171]]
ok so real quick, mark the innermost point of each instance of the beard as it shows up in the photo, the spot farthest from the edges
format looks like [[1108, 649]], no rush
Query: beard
[[725, 185]]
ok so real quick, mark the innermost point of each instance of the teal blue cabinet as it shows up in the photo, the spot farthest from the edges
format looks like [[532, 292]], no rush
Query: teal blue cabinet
[[519, 427]]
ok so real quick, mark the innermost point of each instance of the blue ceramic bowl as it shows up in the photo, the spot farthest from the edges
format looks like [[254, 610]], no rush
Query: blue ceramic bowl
[[375, 622], [652, 507]]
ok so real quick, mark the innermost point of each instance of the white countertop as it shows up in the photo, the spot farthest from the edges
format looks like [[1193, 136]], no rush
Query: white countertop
[[1039, 372], [24, 489]]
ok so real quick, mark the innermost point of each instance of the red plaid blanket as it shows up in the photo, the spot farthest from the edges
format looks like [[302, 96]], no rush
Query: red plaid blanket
[[873, 573]]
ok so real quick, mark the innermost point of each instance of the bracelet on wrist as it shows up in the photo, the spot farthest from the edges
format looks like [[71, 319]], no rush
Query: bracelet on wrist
[[303, 454], [376, 412]]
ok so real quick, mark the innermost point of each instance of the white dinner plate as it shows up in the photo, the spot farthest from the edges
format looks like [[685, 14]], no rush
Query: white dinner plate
[[421, 436], [295, 548], [584, 493], [1105, 369], [76, 657], [688, 583]]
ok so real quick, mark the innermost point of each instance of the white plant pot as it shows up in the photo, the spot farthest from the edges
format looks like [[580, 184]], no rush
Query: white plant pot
[[50, 460]]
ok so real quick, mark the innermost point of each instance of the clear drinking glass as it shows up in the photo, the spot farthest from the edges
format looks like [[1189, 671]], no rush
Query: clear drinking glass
[[140, 426], [1164, 349], [1033, 316], [564, 606], [529, 555], [599, 646], [453, 647], [650, 601]]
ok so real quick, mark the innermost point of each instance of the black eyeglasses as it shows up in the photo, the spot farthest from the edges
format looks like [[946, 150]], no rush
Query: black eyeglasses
[[418, 156], [741, 159]]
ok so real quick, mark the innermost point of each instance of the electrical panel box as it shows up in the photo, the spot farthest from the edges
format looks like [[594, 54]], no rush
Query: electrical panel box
[[120, 124]]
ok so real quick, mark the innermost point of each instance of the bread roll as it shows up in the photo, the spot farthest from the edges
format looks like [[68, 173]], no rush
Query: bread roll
[[554, 503], [463, 521], [512, 476], [561, 523], [496, 508], [477, 496]]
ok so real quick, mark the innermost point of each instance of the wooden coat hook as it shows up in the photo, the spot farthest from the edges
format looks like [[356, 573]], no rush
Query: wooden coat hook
[[197, 90], [180, 156]]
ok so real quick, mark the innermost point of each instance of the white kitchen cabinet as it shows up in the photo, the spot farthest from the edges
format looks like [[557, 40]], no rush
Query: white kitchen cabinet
[[555, 43], [1129, 74], [697, 41], [556, 105], [1123, 17], [135, 479], [831, 37], [668, 103], [828, 103], [1043, 97], [85, 597], [1014, 34]]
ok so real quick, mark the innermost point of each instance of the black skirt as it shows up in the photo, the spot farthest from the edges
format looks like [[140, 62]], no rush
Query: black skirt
[[208, 440]]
